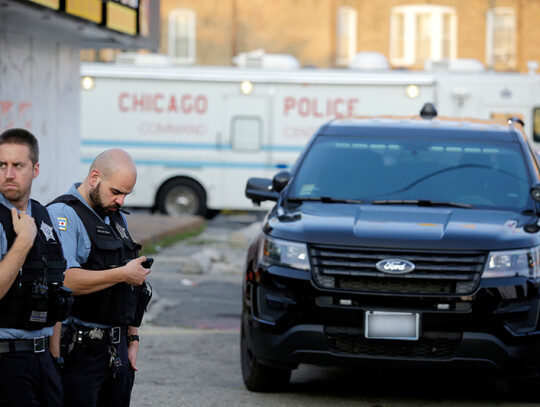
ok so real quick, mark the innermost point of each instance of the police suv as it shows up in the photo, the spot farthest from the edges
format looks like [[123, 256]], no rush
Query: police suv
[[398, 242]]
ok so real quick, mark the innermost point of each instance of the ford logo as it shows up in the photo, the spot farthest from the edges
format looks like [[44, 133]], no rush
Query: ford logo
[[395, 266]]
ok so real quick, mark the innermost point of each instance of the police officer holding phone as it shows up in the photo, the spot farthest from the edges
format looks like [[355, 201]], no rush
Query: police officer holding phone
[[32, 296], [101, 338]]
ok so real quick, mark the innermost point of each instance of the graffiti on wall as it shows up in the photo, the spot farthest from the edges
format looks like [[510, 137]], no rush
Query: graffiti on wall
[[13, 114]]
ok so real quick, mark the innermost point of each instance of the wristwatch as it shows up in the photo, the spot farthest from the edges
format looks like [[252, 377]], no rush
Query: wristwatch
[[131, 338]]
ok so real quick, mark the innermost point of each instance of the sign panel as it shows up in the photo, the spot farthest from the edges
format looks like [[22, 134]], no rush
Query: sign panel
[[91, 10], [121, 18], [54, 4], [129, 3]]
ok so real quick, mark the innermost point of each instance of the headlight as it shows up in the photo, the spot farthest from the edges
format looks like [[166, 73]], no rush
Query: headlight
[[513, 263], [277, 252]]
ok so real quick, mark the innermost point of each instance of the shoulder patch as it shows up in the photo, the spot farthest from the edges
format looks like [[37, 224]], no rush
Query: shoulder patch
[[62, 223]]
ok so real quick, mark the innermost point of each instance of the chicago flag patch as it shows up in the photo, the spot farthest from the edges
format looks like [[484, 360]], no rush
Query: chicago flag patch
[[62, 223]]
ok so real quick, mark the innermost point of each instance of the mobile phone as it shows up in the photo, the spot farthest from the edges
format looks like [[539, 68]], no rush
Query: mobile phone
[[148, 263]]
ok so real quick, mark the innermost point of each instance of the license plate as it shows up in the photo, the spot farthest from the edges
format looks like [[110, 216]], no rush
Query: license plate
[[392, 325]]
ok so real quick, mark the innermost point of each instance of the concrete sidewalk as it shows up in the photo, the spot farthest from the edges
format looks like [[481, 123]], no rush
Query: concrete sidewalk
[[148, 229]]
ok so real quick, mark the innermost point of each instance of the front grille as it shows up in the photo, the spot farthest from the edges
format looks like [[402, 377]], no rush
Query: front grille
[[440, 345], [435, 273]]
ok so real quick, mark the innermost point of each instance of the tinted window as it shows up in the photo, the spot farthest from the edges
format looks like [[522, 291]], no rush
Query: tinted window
[[481, 174]]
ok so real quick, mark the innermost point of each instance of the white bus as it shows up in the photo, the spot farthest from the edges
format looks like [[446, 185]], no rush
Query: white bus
[[198, 133]]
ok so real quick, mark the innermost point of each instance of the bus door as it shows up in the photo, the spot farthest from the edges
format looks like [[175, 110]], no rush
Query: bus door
[[245, 145]]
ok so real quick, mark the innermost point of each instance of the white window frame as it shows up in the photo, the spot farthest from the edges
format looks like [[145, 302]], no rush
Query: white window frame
[[346, 29], [242, 140], [174, 17], [491, 47], [410, 14]]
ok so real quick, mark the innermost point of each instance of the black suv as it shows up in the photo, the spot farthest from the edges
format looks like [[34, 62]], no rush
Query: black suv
[[398, 242]]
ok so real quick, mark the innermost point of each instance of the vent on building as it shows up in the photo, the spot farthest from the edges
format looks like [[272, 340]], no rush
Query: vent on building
[[369, 61], [454, 65], [260, 59], [135, 58]]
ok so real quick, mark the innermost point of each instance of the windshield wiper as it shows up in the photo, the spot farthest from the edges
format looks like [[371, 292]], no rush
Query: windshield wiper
[[324, 199], [420, 202]]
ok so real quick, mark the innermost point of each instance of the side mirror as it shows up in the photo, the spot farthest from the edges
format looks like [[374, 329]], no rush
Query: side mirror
[[280, 181], [260, 189], [535, 192]]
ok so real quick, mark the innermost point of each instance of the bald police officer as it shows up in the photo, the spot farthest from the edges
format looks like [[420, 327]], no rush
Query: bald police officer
[[108, 284], [32, 267]]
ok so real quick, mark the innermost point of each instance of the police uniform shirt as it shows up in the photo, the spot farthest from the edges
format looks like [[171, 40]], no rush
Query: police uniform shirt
[[74, 237], [11, 333]]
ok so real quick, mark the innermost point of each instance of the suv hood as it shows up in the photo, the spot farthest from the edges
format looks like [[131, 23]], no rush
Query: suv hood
[[398, 226]]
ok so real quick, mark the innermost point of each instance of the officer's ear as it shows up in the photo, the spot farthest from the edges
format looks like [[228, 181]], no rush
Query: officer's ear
[[36, 170], [94, 177]]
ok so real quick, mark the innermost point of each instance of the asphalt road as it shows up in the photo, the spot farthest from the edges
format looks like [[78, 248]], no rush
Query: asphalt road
[[189, 351]]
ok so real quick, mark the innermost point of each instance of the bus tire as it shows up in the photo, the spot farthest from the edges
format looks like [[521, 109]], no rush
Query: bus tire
[[181, 197]]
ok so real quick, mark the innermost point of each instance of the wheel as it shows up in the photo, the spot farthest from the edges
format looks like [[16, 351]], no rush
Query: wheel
[[182, 197], [257, 377]]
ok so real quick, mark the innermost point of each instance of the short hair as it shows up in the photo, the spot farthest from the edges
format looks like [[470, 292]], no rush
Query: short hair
[[22, 136]]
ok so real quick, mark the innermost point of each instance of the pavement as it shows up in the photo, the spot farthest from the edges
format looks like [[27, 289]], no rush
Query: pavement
[[148, 228]]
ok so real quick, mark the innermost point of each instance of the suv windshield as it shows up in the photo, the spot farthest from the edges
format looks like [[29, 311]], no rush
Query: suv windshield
[[422, 171]]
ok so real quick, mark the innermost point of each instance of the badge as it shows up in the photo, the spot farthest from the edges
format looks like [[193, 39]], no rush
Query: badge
[[47, 231], [62, 223], [122, 231]]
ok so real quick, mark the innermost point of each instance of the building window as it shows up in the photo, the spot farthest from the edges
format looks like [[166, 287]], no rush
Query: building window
[[346, 35], [536, 124], [246, 133], [501, 38], [182, 36], [422, 32]]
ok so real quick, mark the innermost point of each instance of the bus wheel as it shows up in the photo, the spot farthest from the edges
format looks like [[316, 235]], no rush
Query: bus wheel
[[182, 197]]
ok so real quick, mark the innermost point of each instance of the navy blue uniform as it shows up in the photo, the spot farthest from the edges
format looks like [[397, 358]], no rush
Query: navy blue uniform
[[28, 376], [97, 244]]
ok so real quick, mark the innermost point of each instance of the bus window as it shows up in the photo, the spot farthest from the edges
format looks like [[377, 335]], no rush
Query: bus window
[[246, 133]]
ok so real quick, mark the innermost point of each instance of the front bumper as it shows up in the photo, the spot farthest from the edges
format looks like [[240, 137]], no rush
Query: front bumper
[[288, 321], [311, 344]]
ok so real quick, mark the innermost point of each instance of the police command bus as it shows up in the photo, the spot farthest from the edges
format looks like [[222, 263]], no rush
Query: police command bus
[[198, 133]]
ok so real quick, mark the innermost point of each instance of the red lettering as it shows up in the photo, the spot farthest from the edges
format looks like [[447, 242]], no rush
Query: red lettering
[[316, 112], [160, 103], [24, 111], [137, 102], [6, 115], [172, 104], [288, 105], [157, 108], [184, 106], [201, 104], [350, 106], [121, 102], [303, 107], [337, 112]]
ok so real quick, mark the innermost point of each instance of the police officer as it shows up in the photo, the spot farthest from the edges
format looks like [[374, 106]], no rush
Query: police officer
[[32, 267], [108, 284]]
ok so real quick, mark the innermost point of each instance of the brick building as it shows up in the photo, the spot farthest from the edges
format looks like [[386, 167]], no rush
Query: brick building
[[328, 33]]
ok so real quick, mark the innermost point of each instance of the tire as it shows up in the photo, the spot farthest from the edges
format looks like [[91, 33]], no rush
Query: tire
[[181, 197], [257, 377]]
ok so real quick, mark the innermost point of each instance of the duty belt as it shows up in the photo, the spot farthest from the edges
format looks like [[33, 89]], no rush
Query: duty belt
[[99, 334], [37, 345]]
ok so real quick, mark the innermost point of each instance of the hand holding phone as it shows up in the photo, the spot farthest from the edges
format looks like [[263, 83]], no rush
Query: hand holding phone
[[148, 262]]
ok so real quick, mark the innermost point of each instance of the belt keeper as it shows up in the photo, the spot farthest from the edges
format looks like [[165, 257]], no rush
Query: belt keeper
[[116, 335], [79, 336]]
